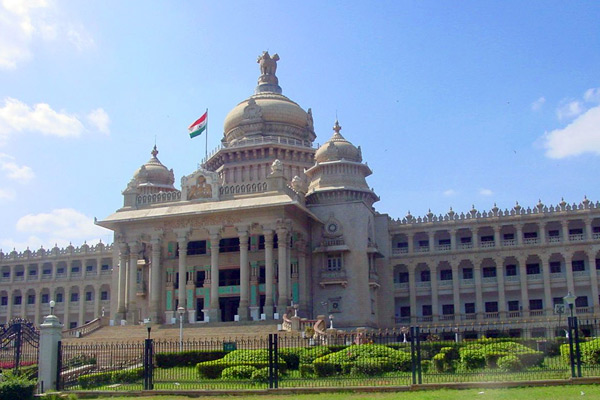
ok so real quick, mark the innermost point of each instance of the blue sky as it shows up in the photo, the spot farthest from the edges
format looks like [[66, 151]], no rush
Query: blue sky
[[453, 103]]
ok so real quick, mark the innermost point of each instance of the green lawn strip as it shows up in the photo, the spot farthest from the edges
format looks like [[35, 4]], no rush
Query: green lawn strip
[[567, 392]]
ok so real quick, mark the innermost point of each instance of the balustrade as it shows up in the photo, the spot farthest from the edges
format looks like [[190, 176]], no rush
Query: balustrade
[[491, 315], [531, 241], [489, 279], [554, 239], [443, 247], [576, 237], [509, 242], [401, 285], [514, 314], [536, 313], [467, 282], [487, 245]]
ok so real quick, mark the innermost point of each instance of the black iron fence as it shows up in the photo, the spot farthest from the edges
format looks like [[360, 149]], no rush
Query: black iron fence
[[19, 347], [340, 359]]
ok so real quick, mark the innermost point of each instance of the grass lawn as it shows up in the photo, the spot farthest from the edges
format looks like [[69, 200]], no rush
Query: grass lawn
[[567, 392]]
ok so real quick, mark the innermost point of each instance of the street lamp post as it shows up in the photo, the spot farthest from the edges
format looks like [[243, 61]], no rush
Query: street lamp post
[[569, 300], [52, 305], [180, 311]]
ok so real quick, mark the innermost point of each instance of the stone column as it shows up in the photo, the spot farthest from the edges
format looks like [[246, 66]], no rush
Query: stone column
[[12, 273], [547, 287], [497, 240], [479, 309], [519, 235], [37, 306], [524, 288], [456, 292], [81, 319], [565, 232], [182, 242], [244, 275], [9, 305], [569, 271], [50, 335], [435, 312], [268, 308], [283, 270], [412, 292], [593, 280], [214, 312], [132, 312], [542, 229], [411, 245], [123, 254], [67, 306], [54, 267], [98, 266], [155, 275], [97, 307], [501, 292], [588, 230], [303, 275], [452, 239]]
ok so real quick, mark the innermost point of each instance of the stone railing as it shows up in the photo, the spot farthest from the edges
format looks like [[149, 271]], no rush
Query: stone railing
[[247, 142], [83, 330], [160, 197], [42, 253], [243, 188]]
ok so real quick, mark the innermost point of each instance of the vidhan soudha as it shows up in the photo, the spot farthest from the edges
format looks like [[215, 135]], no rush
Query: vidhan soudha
[[269, 224]]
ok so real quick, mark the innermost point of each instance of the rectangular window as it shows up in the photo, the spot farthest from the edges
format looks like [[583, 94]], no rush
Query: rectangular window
[[581, 301], [89, 268], [578, 265], [72, 325], [31, 299], [229, 245], [533, 269], [402, 245], [423, 243], [597, 263], [88, 296], [467, 273], [45, 298], [487, 238], [104, 295], [75, 270], [32, 272], [557, 300], [105, 267], [464, 240], [448, 309], [403, 277], [489, 272], [405, 312], [20, 273], [446, 275], [509, 236], [529, 235], [425, 276], [553, 233], [576, 231], [4, 301], [513, 305], [60, 270], [196, 247], [6, 274], [59, 297], [511, 270], [555, 267], [427, 310], [444, 242], [18, 300], [469, 308], [596, 229], [47, 272], [536, 304], [334, 263], [491, 306], [74, 297]]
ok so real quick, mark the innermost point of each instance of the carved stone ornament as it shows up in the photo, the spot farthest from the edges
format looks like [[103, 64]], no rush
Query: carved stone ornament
[[252, 110], [201, 185], [202, 222], [332, 228], [276, 167], [309, 119]]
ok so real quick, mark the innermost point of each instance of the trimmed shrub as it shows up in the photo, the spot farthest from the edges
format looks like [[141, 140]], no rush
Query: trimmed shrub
[[127, 375], [13, 386], [324, 369], [306, 370], [94, 380], [357, 358], [444, 360], [472, 359], [510, 363], [489, 351], [255, 358], [260, 375], [238, 372], [291, 356], [307, 356], [187, 358], [590, 352]]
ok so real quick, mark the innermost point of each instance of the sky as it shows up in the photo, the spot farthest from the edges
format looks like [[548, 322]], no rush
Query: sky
[[454, 104]]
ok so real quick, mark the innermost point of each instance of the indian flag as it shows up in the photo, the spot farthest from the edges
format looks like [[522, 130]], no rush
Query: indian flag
[[199, 126]]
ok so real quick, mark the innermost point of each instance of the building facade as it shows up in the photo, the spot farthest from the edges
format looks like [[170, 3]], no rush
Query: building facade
[[269, 221]]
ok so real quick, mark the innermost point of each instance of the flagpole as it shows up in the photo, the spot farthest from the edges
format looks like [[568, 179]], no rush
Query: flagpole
[[206, 146]]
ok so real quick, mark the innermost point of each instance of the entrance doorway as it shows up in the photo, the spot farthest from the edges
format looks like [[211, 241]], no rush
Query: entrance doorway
[[229, 307], [199, 307]]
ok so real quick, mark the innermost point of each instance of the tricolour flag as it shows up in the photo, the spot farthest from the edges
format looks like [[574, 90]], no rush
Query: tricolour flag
[[199, 126]]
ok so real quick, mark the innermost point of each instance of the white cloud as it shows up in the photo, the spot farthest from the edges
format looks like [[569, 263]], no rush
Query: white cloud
[[59, 226], [569, 109], [580, 136], [22, 22], [538, 104], [100, 120], [485, 192], [7, 194], [449, 193], [592, 95], [19, 173]]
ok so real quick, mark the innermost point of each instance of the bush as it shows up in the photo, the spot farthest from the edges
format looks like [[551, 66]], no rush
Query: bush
[[14, 386], [291, 356], [127, 375], [187, 358], [324, 369], [238, 372], [444, 360], [370, 367], [260, 375], [255, 358], [510, 363], [472, 359], [104, 378], [358, 358], [306, 370], [488, 351], [307, 356]]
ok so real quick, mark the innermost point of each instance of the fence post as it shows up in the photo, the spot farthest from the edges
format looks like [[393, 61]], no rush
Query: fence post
[[577, 350], [50, 335], [419, 372], [270, 361], [276, 360], [413, 356], [571, 353], [148, 364]]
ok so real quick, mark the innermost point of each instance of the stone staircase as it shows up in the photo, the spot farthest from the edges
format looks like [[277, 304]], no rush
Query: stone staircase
[[216, 330]]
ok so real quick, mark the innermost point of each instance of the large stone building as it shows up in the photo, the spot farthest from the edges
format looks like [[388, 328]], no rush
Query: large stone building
[[268, 221]]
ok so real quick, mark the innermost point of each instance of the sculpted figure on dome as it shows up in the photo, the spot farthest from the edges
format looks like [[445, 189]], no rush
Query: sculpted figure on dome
[[268, 64]]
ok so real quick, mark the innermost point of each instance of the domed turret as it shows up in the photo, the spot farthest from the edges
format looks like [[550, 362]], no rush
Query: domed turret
[[154, 174], [268, 112], [338, 148]]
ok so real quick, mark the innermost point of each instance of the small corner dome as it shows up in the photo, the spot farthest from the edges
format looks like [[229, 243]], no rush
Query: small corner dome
[[338, 148], [154, 174]]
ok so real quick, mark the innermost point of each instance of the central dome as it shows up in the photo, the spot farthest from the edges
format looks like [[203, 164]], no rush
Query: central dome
[[268, 112]]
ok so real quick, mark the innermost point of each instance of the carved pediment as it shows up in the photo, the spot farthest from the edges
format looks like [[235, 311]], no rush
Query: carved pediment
[[202, 185]]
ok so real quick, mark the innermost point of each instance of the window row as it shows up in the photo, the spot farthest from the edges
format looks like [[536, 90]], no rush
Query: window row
[[45, 298]]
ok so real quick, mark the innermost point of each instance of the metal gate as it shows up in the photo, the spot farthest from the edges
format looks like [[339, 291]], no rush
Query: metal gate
[[19, 345]]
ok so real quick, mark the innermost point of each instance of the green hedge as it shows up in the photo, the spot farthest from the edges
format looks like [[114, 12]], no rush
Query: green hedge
[[590, 352], [187, 358], [365, 359], [90, 381], [14, 387], [238, 372], [488, 352], [254, 358]]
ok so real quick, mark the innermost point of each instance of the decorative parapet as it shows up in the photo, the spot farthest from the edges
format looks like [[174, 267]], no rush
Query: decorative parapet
[[99, 249], [160, 197], [496, 213]]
